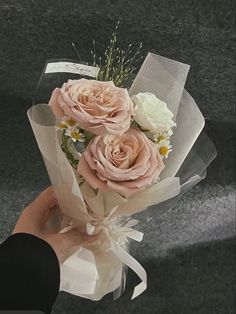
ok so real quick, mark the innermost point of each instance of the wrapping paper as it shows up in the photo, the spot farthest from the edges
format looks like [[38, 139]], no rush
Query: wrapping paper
[[99, 268]]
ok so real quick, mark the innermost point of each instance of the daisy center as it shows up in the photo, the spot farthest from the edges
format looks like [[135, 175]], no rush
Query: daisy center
[[163, 150], [75, 135]]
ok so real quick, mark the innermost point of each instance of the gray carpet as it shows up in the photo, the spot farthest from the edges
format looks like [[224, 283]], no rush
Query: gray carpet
[[188, 251]]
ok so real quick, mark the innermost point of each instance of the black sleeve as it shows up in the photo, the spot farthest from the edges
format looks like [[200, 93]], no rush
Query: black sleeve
[[29, 274]]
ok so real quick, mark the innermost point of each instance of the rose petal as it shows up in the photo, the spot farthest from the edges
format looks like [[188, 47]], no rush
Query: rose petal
[[54, 104]]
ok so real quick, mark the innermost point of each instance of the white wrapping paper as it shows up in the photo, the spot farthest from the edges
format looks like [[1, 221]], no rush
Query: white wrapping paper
[[93, 271]]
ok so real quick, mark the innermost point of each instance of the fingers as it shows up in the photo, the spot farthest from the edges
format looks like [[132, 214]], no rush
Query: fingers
[[33, 218], [40, 208], [52, 222]]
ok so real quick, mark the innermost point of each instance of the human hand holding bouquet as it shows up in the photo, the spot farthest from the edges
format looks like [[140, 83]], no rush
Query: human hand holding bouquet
[[35, 219], [110, 153]]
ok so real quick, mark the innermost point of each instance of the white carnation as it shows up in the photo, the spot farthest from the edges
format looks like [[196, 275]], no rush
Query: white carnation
[[152, 114]]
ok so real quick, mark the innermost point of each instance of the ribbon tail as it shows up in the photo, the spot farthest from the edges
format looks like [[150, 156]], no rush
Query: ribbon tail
[[132, 263], [133, 234]]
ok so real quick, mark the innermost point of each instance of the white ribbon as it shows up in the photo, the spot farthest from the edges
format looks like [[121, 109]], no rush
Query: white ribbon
[[116, 233], [132, 263]]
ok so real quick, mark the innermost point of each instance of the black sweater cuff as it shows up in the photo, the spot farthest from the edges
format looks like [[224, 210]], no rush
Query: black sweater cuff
[[29, 274]]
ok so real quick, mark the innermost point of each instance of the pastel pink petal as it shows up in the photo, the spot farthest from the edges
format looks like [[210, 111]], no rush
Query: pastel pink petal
[[54, 104], [118, 116], [105, 172], [68, 100], [90, 176], [122, 189], [75, 115], [95, 129], [117, 129]]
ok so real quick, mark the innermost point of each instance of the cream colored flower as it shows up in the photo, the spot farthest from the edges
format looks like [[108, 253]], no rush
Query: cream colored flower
[[152, 114]]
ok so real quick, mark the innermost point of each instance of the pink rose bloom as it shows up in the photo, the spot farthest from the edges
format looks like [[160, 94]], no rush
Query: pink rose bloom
[[99, 107], [125, 164]]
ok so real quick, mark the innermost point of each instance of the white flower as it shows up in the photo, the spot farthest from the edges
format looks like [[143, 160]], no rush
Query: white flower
[[163, 136], [152, 114], [66, 122], [74, 133], [164, 148]]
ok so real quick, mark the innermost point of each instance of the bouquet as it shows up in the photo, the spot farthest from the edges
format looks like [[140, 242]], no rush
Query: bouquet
[[113, 150]]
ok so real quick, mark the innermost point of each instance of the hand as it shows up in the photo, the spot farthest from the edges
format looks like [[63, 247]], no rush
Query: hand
[[34, 220]]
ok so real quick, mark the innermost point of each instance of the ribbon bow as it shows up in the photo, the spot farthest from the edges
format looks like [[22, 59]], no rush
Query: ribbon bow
[[117, 231]]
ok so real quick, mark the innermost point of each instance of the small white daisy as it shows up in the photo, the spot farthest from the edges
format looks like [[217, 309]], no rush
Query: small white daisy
[[61, 126], [163, 136], [66, 122], [164, 148], [74, 133]]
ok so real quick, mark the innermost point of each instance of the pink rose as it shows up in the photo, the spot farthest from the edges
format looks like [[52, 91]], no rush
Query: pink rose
[[125, 164], [99, 107]]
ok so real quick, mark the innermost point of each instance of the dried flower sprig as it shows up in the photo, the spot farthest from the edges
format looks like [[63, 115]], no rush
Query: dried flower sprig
[[118, 64]]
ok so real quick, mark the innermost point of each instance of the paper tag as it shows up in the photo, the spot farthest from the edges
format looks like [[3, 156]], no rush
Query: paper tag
[[71, 67]]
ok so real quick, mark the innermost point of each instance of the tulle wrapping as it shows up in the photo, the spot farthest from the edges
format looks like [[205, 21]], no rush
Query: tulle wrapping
[[98, 269]]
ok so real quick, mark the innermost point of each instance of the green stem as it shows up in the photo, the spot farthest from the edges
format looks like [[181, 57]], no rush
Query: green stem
[[66, 144]]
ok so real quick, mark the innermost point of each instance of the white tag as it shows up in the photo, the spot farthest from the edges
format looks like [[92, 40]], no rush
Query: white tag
[[71, 67]]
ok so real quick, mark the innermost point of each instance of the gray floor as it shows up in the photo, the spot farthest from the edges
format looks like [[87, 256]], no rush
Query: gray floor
[[188, 251]]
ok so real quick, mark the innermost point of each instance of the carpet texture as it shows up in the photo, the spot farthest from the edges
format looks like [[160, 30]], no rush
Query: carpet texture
[[188, 251]]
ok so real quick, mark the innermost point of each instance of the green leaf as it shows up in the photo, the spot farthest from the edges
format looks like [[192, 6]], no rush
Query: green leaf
[[88, 136]]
